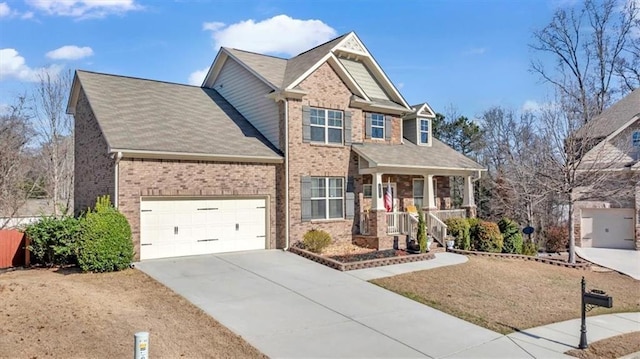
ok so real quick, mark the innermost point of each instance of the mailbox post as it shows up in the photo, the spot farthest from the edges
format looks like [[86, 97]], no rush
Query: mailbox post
[[595, 298]]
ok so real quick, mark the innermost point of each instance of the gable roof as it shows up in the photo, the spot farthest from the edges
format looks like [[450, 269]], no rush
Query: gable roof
[[146, 116], [363, 76], [410, 155], [615, 118]]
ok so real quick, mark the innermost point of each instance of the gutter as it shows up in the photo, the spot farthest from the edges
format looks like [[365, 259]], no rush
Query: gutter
[[286, 174]]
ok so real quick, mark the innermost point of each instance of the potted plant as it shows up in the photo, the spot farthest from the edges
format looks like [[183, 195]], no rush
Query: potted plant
[[450, 242]]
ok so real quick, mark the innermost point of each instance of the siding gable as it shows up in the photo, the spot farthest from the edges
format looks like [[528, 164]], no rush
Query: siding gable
[[247, 94], [365, 79]]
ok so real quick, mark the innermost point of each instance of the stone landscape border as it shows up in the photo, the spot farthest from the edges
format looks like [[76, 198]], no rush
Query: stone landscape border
[[371, 263], [577, 265]]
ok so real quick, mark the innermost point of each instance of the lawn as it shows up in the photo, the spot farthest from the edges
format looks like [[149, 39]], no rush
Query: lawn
[[49, 313], [508, 295], [611, 348]]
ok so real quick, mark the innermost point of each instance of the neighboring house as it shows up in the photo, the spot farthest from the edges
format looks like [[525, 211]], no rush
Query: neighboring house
[[264, 151], [31, 211], [612, 222]]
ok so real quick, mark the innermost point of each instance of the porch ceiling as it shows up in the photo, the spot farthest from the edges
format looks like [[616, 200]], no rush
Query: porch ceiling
[[411, 158]]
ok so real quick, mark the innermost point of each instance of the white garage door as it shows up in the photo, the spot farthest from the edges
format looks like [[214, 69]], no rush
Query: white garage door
[[172, 228], [608, 228]]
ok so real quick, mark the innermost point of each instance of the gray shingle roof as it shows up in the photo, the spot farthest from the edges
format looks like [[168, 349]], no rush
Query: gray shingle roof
[[296, 66], [270, 67], [145, 115], [613, 117], [439, 155]]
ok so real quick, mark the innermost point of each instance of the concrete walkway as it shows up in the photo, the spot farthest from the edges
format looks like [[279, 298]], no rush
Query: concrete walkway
[[626, 261], [287, 306]]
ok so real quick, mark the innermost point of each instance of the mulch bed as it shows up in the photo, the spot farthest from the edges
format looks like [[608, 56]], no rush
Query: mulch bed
[[363, 260]]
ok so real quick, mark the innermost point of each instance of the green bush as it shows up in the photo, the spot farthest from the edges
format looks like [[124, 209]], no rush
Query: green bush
[[530, 249], [487, 237], [422, 233], [53, 240], [105, 239], [557, 238], [316, 241], [460, 229], [511, 235]]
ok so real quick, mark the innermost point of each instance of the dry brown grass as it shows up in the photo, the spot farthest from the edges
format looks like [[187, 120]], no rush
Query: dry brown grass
[[507, 295], [48, 313], [610, 348]]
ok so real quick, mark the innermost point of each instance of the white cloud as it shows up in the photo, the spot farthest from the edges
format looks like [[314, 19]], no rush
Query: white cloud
[[280, 34], [476, 51], [13, 66], [84, 9], [70, 52], [27, 15], [531, 106], [197, 77], [5, 10]]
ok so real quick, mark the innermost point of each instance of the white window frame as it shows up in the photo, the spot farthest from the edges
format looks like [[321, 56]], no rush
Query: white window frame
[[364, 190], [326, 125], [377, 117], [635, 139], [421, 131], [327, 197]]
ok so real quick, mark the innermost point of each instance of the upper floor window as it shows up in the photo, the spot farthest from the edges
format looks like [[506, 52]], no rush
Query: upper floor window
[[424, 131], [635, 139], [377, 126], [326, 125]]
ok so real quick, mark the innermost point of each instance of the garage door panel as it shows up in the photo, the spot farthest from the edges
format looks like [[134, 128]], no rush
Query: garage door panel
[[608, 228], [191, 227]]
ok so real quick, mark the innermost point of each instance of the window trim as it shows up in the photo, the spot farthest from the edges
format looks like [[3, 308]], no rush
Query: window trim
[[635, 139], [326, 126], [421, 131], [378, 117], [327, 198]]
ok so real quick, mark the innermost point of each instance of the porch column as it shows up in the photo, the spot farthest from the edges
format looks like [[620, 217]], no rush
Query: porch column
[[377, 193], [428, 194], [468, 201]]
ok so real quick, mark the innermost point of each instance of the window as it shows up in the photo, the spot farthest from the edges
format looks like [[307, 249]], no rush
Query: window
[[327, 198], [326, 125], [377, 125], [418, 193], [424, 131], [366, 190], [635, 139]]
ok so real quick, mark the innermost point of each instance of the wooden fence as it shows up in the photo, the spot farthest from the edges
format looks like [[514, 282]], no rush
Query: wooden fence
[[12, 248]]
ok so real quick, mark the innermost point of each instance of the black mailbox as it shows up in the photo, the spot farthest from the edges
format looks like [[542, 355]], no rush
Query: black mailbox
[[599, 299]]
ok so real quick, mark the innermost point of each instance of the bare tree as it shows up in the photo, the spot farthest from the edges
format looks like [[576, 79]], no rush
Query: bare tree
[[628, 67], [579, 166], [54, 129], [589, 46], [15, 186]]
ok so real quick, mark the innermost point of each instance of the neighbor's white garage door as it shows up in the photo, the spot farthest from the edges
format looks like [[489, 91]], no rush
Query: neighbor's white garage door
[[608, 228], [172, 228]]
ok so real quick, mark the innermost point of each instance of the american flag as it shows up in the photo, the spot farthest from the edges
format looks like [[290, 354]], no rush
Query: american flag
[[388, 198]]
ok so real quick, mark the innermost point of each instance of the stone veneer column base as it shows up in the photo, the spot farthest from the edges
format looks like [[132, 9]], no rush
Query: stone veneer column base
[[472, 211]]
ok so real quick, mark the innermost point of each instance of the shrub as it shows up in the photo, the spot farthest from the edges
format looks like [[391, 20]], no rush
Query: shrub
[[530, 249], [557, 238], [422, 233], [105, 239], [487, 237], [53, 240], [461, 230], [316, 240], [511, 235]]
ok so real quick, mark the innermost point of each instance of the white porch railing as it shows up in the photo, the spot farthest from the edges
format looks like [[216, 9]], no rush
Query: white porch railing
[[445, 214], [437, 228]]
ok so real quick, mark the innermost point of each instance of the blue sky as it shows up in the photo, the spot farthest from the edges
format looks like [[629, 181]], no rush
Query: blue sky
[[469, 54]]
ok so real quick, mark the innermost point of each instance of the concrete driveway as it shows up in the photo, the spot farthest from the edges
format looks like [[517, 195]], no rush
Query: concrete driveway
[[287, 306], [625, 261]]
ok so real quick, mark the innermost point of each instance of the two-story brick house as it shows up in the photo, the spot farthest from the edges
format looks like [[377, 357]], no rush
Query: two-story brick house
[[265, 150]]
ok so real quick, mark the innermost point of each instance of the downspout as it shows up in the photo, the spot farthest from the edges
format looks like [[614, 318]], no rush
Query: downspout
[[117, 156], [286, 173]]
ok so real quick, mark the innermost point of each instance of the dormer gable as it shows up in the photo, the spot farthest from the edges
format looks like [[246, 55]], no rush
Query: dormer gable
[[417, 126]]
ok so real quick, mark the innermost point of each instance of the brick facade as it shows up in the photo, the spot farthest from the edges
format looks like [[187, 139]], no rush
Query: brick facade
[[179, 179], [93, 166]]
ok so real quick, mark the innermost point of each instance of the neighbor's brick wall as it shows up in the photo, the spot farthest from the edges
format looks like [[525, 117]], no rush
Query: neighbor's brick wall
[[637, 207], [149, 177], [93, 167]]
